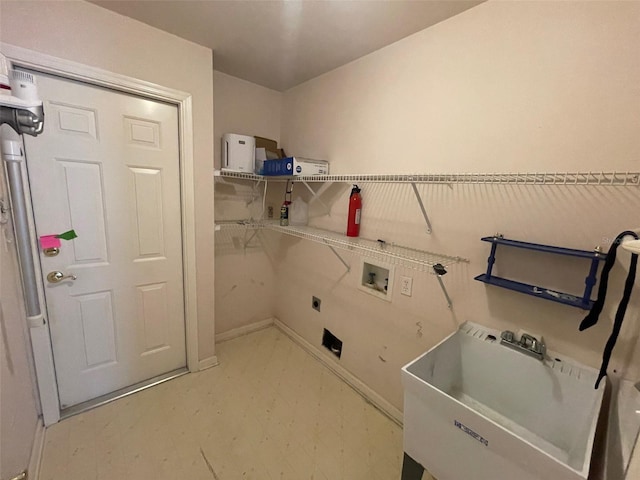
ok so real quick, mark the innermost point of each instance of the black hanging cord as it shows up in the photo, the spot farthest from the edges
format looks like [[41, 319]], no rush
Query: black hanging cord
[[617, 324], [592, 317]]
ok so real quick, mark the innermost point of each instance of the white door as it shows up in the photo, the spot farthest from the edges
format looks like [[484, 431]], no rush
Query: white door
[[107, 166]]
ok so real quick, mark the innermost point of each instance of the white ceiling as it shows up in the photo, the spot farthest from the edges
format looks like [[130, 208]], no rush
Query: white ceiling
[[279, 44]]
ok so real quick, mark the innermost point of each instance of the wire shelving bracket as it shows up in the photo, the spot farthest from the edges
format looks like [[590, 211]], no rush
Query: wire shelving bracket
[[424, 211], [346, 265], [315, 196]]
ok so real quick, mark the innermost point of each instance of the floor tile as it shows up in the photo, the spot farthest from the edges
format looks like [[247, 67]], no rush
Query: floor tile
[[269, 411]]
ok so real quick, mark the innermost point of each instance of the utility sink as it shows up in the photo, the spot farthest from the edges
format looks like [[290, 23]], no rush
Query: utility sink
[[477, 409]]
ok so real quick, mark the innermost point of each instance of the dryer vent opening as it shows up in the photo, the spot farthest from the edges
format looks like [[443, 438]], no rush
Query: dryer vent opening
[[332, 343]]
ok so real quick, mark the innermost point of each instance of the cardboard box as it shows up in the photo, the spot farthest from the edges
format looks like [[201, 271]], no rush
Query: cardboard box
[[266, 143], [263, 154], [266, 149], [295, 166]]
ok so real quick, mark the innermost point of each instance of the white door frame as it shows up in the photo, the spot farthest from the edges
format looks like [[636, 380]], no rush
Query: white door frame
[[40, 336]]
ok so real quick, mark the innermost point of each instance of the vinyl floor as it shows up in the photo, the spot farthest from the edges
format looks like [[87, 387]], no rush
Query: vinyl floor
[[268, 411]]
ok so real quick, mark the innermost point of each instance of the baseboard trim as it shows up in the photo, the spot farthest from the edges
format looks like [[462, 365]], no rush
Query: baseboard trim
[[208, 363], [244, 330], [360, 387], [35, 460]]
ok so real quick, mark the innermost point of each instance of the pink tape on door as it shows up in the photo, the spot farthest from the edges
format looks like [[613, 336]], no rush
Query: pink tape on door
[[49, 241]]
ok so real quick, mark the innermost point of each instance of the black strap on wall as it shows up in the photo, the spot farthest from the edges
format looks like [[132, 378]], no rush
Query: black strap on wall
[[592, 317]]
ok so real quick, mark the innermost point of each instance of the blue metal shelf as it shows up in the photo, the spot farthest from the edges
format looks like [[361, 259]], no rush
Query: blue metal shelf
[[583, 302], [539, 292]]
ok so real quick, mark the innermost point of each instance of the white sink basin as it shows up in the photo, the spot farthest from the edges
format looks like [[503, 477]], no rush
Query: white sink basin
[[477, 409]]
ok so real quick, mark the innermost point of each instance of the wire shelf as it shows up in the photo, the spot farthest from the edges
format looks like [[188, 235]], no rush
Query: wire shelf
[[244, 176], [236, 225], [413, 258], [555, 178], [421, 260], [612, 179]]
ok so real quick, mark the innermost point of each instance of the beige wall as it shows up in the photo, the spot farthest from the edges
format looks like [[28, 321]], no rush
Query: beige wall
[[504, 86], [91, 35], [18, 410], [245, 108], [245, 286]]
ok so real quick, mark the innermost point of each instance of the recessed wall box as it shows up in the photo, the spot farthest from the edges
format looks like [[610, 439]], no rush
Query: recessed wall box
[[376, 279], [238, 152]]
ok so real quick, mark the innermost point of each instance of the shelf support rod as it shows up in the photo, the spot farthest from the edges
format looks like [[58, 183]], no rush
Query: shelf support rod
[[246, 244], [424, 211], [264, 199], [254, 191], [346, 265], [440, 270], [444, 290], [315, 196]]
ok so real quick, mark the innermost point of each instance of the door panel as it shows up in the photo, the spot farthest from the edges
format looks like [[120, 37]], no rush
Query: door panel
[[107, 165], [85, 202], [152, 314], [143, 133], [147, 183], [97, 325], [73, 120]]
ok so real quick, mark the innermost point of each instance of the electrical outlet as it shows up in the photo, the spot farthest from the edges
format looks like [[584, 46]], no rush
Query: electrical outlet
[[405, 285], [315, 303]]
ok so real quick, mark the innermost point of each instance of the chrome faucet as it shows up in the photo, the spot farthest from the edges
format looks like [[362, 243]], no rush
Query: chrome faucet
[[528, 344]]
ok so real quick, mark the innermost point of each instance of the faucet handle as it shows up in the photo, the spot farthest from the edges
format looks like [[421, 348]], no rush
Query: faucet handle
[[507, 336], [528, 341], [532, 343]]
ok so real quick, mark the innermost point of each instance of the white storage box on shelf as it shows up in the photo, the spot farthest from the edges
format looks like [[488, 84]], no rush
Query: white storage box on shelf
[[238, 153]]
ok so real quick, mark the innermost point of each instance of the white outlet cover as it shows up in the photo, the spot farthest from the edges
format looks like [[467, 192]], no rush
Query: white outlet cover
[[406, 284]]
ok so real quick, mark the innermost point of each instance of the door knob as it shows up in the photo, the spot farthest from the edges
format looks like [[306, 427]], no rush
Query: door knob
[[57, 277]]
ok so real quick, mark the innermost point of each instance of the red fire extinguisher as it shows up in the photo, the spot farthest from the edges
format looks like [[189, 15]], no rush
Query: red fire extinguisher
[[355, 209]]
